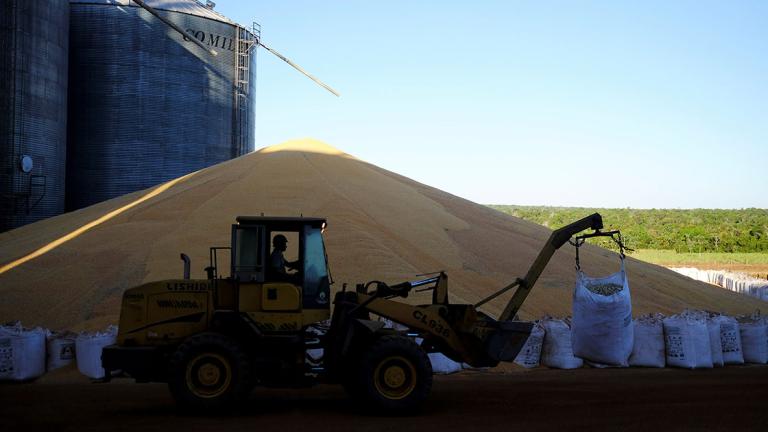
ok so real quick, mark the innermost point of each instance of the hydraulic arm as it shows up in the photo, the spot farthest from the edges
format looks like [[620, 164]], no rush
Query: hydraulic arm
[[558, 238], [460, 331]]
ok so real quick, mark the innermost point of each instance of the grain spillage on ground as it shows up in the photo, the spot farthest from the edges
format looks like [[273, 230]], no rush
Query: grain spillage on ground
[[381, 226]]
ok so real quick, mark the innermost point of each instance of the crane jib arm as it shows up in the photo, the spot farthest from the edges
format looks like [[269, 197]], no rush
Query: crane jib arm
[[558, 238]]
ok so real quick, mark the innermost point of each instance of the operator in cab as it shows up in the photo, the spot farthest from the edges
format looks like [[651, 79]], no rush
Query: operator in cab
[[278, 266]]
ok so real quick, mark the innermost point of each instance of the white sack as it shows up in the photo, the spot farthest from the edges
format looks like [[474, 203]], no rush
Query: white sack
[[530, 354], [754, 341], [442, 364], [648, 347], [687, 342], [22, 353], [388, 323], [88, 347], [730, 339], [557, 351], [602, 324], [60, 350], [715, 344], [314, 357]]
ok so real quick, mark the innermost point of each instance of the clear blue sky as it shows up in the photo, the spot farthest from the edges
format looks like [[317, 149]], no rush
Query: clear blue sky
[[606, 104]]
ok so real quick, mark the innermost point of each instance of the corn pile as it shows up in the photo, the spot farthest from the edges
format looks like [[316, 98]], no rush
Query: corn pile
[[605, 289]]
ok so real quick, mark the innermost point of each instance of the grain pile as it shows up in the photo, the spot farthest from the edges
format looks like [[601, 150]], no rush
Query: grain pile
[[381, 226], [606, 289]]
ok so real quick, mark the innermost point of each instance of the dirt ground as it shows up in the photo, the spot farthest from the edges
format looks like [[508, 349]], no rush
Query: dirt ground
[[726, 399]]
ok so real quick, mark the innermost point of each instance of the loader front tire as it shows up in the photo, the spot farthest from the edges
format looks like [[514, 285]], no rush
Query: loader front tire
[[394, 376], [209, 373]]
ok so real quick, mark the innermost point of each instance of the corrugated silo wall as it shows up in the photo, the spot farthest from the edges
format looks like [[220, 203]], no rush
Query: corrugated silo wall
[[145, 105], [34, 37]]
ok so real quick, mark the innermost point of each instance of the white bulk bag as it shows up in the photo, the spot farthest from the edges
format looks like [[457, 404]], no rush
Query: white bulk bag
[[687, 342], [715, 344], [88, 347], [557, 351], [442, 364], [60, 348], [602, 322], [730, 339], [648, 347], [530, 354], [22, 353], [754, 341]]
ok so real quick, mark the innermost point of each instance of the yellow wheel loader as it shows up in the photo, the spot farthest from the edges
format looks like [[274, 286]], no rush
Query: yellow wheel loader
[[213, 340]]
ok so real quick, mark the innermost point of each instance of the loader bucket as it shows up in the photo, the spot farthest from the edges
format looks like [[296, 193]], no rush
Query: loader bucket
[[507, 341]]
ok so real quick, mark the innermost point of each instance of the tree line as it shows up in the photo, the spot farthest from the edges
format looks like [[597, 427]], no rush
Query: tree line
[[694, 230]]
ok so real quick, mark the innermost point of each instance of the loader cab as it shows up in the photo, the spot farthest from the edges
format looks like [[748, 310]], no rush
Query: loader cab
[[303, 285]]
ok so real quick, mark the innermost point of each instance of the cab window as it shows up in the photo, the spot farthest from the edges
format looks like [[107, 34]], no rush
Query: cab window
[[248, 255], [315, 270]]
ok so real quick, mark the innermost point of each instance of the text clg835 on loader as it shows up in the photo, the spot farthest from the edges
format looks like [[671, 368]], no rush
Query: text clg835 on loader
[[213, 340]]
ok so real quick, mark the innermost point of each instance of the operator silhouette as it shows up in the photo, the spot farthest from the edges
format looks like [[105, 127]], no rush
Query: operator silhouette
[[277, 262]]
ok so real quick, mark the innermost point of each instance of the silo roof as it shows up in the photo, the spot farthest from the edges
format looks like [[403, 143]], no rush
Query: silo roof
[[190, 7]]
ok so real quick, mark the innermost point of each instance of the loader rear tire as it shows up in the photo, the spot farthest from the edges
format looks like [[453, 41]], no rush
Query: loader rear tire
[[209, 373], [393, 377]]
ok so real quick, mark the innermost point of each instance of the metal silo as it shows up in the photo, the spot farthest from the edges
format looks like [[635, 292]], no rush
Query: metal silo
[[146, 104], [34, 38]]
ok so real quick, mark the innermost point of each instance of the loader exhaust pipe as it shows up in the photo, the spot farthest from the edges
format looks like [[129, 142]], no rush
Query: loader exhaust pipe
[[186, 260]]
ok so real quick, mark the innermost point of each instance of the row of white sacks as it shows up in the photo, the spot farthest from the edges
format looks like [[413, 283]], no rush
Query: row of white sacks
[[26, 354], [736, 282], [689, 340]]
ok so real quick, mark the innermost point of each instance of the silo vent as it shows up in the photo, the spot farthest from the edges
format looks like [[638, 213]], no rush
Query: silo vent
[[26, 163]]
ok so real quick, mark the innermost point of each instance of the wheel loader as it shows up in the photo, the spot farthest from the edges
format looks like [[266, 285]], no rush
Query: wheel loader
[[213, 340]]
